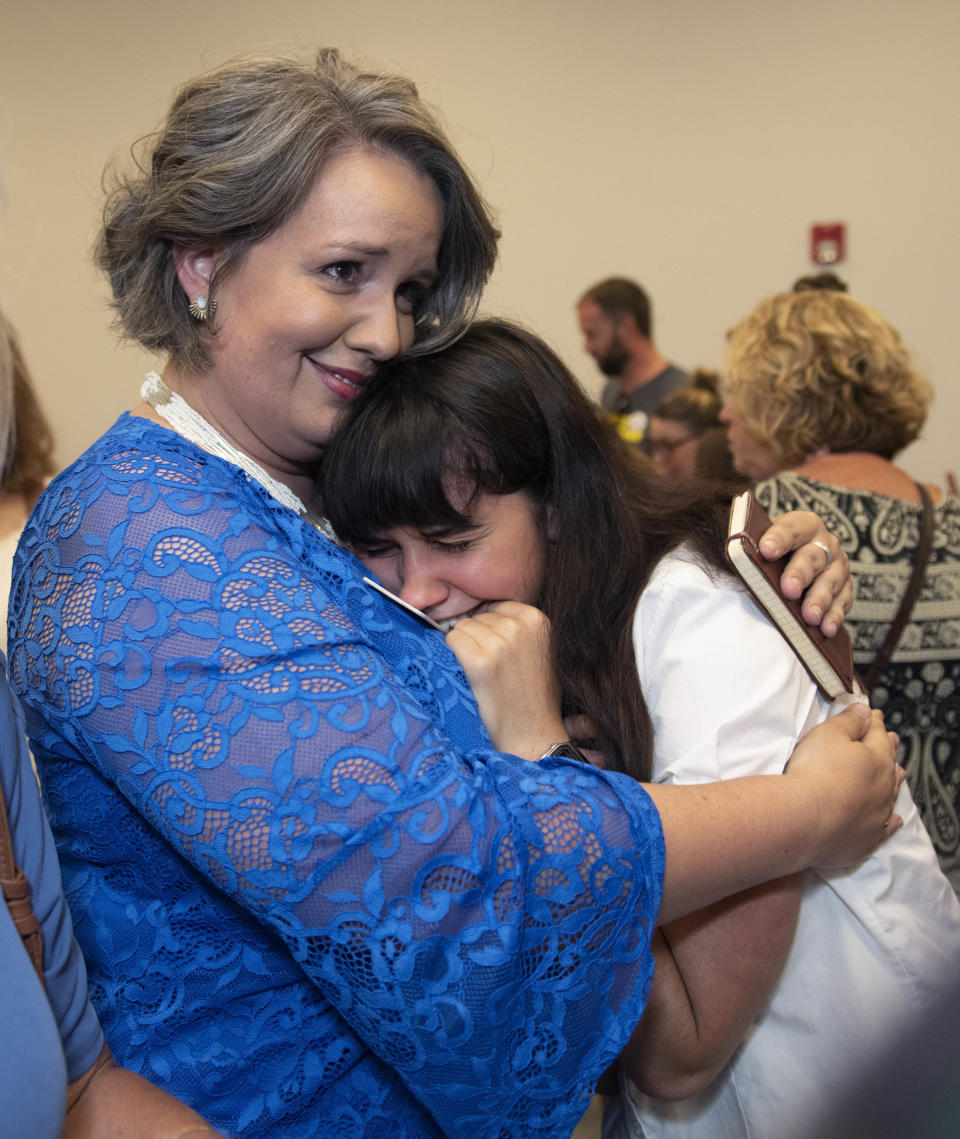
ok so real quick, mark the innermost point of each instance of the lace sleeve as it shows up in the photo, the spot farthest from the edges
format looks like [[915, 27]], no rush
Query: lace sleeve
[[480, 922]]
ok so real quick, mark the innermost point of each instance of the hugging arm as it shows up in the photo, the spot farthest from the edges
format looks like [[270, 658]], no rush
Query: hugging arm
[[713, 972], [702, 647], [830, 809]]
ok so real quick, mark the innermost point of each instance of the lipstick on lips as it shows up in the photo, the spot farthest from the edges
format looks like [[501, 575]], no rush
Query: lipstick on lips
[[343, 382]]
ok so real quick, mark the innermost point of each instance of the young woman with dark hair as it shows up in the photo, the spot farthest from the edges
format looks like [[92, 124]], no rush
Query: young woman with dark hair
[[498, 414], [482, 488]]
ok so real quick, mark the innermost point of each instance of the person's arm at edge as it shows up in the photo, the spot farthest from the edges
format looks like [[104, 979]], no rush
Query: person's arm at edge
[[110, 1101], [105, 1101]]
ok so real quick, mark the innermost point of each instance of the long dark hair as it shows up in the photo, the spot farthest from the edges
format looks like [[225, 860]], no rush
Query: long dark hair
[[26, 440], [499, 409]]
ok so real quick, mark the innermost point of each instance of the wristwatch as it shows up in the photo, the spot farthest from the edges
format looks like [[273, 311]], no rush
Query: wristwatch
[[566, 750]]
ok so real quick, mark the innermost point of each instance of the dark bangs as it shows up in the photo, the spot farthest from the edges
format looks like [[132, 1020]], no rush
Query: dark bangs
[[404, 456]]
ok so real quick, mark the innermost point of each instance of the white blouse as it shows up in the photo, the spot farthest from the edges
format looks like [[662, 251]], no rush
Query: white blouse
[[874, 945]]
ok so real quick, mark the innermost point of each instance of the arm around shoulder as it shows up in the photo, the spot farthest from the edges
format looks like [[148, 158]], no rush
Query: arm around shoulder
[[718, 716]]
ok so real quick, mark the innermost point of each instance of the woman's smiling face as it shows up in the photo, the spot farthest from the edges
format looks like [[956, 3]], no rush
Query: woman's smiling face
[[449, 574], [311, 311]]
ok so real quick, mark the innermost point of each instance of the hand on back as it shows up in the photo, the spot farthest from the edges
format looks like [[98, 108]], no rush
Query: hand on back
[[849, 762]]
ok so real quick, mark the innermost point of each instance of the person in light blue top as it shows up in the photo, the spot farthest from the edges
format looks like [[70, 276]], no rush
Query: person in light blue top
[[51, 1037], [316, 896], [56, 1076]]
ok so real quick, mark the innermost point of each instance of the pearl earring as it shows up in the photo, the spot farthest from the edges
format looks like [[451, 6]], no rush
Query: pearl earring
[[202, 308]]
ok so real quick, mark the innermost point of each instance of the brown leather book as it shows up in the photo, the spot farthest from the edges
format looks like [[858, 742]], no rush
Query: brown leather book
[[828, 660]]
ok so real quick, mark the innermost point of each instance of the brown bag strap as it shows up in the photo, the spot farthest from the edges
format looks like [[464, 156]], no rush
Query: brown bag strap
[[16, 893], [882, 659]]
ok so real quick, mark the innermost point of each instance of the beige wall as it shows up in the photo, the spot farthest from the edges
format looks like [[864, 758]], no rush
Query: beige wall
[[688, 144]]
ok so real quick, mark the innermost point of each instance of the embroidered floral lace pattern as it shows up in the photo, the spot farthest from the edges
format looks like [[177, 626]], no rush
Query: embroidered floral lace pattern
[[314, 902], [920, 690]]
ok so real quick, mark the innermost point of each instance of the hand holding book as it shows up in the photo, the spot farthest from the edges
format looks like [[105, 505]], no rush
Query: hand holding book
[[818, 572], [829, 661]]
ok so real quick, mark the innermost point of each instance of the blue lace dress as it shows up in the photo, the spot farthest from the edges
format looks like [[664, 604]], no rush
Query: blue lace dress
[[314, 901]]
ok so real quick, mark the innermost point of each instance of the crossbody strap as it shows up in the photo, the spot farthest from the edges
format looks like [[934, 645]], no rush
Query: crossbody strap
[[882, 659], [16, 893]]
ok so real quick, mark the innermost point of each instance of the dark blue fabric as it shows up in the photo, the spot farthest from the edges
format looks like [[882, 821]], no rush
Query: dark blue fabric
[[313, 900]]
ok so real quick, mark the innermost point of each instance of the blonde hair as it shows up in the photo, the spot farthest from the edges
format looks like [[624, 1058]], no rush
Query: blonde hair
[[26, 441], [820, 369], [240, 149]]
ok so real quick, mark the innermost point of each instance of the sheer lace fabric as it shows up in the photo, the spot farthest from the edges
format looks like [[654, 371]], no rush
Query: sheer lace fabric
[[313, 899]]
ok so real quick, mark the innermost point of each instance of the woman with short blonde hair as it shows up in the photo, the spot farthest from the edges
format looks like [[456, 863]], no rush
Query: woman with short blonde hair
[[820, 369], [821, 394]]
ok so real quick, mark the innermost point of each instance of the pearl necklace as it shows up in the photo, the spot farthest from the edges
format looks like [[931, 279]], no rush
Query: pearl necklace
[[191, 425]]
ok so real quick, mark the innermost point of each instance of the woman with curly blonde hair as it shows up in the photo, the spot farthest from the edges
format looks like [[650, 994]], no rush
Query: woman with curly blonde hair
[[815, 371], [822, 395]]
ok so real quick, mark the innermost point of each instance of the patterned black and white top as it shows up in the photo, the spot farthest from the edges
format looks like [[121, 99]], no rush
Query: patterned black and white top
[[920, 691]]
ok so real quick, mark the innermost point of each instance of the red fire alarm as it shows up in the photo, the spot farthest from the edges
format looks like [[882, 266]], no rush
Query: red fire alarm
[[828, 242]]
